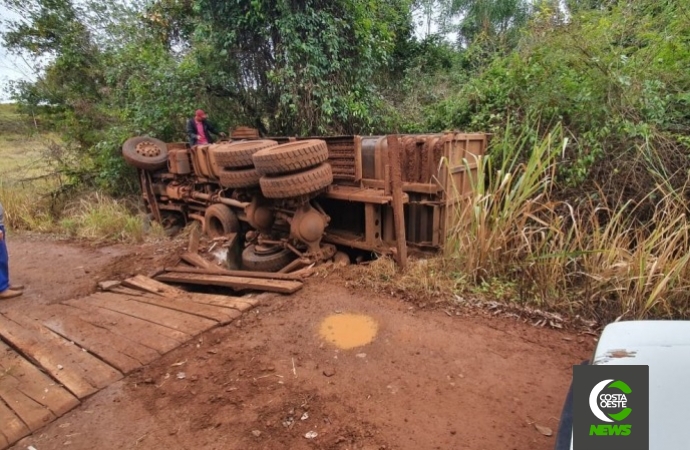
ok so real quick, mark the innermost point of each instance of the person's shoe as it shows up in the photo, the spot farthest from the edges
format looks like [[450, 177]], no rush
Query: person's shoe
[[16, 287], [9, 293]]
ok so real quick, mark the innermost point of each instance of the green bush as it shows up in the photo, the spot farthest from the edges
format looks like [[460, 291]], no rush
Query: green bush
[[617, 79]]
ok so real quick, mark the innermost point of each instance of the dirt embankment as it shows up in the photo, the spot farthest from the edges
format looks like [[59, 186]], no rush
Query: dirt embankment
[[426, 381]]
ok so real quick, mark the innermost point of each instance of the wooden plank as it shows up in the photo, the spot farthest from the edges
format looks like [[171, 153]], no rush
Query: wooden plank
[[239, 304], [185, 305], [81, 373], [237, 273], [292, 266], [199, 262], [127, 291], [118, 351], [234, 258], [33, 414], [20, 374], [4, 443], [238, 283], [397, 192], [194, 237], [11, 427], [157, 337], [176, 320], [147, 284]]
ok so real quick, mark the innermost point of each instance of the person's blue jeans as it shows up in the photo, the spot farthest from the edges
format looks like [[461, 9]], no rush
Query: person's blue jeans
[[4, 263]]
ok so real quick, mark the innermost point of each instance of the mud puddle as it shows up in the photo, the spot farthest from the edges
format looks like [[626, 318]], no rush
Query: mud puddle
[[347, 331]]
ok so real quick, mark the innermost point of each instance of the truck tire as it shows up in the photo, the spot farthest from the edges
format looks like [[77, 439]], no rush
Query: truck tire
[[239, 178], [220, 220], [265, 262], [145, 153], [237, 154], [291, 157], [297, 184]]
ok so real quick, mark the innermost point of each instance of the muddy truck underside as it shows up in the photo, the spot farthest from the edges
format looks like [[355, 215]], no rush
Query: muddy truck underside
[[287, 202]]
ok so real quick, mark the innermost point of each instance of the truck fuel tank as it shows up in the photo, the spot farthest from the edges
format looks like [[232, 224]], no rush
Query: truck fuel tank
[[178, 162]]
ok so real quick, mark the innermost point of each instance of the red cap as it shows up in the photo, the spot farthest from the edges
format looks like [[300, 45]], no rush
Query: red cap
[[200, 114]]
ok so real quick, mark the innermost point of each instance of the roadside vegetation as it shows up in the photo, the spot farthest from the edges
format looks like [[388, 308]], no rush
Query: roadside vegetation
[[580, 205], [37, 196]]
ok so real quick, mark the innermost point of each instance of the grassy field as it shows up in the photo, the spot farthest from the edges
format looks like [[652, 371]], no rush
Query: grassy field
[[29, 181], [23, 146]]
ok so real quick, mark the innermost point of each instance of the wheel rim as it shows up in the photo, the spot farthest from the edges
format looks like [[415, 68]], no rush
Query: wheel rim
[[148, 149]]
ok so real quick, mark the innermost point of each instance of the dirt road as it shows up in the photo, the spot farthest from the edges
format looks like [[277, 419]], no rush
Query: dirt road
[[426, 381]]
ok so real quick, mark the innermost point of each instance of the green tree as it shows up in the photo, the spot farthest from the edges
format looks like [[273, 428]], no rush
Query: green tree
[[306, 67]]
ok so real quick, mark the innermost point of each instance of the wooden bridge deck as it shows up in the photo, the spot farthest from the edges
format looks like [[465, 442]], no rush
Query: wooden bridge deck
[[53, 358]]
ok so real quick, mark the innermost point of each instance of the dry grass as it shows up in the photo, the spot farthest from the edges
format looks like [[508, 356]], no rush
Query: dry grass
[[424, 281], [582, 256], [101, 218], [26, 207], [514, 243], [28, 187], [24, 148]]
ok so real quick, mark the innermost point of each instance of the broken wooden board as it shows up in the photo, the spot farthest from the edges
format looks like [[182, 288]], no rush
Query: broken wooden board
[[236, 283], [146, 284], [197, 261], [236, 273], [239, 304], [194, 238]]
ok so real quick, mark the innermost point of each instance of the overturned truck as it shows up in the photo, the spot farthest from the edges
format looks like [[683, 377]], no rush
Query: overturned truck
[[286, 202]]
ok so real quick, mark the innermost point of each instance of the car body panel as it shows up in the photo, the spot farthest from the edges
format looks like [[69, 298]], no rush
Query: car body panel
[[665, 347]]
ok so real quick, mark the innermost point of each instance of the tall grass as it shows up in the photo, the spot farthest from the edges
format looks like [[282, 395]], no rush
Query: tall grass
[[95, 217], [26, 207], [579, 256], [35, 199], [98, 217]]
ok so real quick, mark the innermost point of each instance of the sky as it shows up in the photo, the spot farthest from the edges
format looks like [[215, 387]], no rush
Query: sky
[[11, 67]]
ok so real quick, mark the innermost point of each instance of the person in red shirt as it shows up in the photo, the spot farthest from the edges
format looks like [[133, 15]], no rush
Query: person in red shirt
[[199, 129]]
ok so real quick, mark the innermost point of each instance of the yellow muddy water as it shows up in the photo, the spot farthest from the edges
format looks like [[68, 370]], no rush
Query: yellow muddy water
[[348, 331]]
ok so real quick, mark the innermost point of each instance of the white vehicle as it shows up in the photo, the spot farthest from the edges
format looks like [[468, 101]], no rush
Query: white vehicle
[[665, 347]]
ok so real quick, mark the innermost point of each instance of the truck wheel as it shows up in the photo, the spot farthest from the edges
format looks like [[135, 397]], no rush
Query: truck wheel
[[239, 178], [220, 220], [291, 157], [145, 153], [237, 154], [266, 259], [297, 184]]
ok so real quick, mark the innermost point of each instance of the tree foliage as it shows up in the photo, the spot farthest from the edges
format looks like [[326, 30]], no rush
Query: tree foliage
[[111, 69], [615, 74], [617, 78]]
